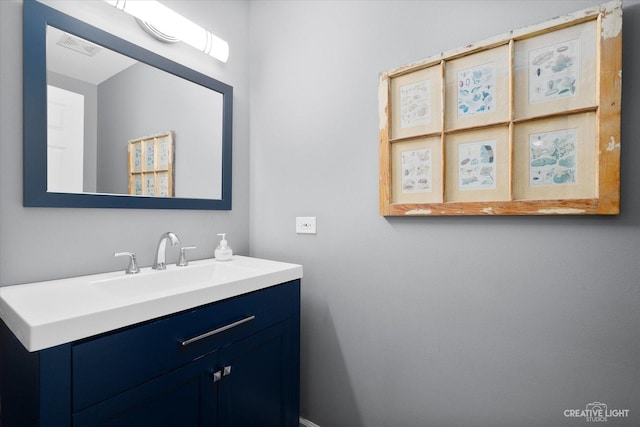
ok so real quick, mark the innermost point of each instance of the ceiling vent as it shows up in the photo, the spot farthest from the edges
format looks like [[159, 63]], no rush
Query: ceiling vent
[[78, 45]]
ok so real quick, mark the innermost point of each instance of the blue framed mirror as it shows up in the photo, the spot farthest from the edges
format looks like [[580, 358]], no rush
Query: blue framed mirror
[[131, 94]]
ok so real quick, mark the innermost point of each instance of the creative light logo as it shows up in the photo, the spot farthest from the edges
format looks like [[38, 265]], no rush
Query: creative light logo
[[596, 412]]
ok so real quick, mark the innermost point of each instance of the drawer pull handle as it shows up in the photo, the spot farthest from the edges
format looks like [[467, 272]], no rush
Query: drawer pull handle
[[217, 331]]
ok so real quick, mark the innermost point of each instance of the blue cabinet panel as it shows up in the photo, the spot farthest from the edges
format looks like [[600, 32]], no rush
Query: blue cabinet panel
[[114, 362], [259, 391], [186, 397], [35, 388]]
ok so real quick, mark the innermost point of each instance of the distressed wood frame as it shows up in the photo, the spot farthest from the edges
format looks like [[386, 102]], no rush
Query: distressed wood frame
[[604, 114]]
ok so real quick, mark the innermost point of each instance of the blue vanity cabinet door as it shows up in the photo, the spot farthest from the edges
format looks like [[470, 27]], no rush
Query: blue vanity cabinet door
[[260, 388], [186, 397]]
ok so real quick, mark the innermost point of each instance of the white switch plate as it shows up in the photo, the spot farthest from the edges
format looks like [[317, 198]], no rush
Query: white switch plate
[[306, 225]]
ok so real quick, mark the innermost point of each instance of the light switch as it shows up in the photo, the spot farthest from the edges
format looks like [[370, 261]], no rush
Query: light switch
[[306, 225]]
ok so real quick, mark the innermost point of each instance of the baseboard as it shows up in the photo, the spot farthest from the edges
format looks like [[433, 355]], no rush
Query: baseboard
[[306, 423]]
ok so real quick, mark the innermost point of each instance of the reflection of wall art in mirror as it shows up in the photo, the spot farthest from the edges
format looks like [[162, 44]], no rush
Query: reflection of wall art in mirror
[[149, 155], [165, 150], [128, 91], [158, 173], [137, 183], [149, 185], [136, 149], [163, 184], [524, 123]]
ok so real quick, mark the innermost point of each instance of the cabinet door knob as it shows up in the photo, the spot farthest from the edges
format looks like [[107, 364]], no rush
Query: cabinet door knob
[[226, 371], [217, 376]]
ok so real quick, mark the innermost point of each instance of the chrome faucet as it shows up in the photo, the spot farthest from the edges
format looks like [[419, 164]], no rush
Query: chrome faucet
[[161, 252]]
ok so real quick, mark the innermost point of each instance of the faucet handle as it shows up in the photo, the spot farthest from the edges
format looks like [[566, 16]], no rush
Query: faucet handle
[[132, 268], [183, 256]]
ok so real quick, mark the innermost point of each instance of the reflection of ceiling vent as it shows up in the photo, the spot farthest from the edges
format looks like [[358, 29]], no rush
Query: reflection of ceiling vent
[[79, 45]]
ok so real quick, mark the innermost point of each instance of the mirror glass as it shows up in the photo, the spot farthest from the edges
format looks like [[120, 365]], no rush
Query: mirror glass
[[98, 100], [124, 127]]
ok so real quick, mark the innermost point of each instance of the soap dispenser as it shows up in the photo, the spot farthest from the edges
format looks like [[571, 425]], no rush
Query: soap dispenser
[[223, 251]]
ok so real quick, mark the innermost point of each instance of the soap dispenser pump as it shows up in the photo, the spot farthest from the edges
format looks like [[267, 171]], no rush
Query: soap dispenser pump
[[223, 252]]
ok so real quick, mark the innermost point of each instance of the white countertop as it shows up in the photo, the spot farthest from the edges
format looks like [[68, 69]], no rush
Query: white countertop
[[46, 314]]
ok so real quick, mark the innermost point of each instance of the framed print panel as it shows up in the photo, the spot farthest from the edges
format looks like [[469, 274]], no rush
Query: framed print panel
[[416, 102], [163, 187], [149, 184], [477, 165], [417, 171], [556, 158], [530, 123], [164, 152], [136, 157], [477, 89], [137, 185], [556, 72], [149, 160]]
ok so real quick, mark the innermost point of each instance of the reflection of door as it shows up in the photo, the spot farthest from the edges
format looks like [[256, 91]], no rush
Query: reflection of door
[[65, 135]]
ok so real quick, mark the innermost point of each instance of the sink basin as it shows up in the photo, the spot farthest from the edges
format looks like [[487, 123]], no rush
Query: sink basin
[[47, 314], [172, 280]]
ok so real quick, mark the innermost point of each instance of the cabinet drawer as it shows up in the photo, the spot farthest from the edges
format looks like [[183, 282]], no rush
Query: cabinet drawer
[[112, 363]]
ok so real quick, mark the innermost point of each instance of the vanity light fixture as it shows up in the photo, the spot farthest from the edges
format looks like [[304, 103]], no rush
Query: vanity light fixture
[[169, 26]]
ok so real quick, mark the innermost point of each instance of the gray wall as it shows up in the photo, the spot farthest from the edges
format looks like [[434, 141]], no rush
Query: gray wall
[[482, 321], [41, 243]]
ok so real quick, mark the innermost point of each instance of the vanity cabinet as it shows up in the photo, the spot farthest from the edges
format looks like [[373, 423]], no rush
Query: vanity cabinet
[[229, 363]]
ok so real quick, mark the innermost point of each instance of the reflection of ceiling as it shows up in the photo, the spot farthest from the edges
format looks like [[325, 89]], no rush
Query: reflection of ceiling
[[82, 60]]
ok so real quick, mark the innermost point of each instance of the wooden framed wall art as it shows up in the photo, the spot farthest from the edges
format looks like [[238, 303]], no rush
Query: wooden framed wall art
[[526, 123], [151, 170]]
